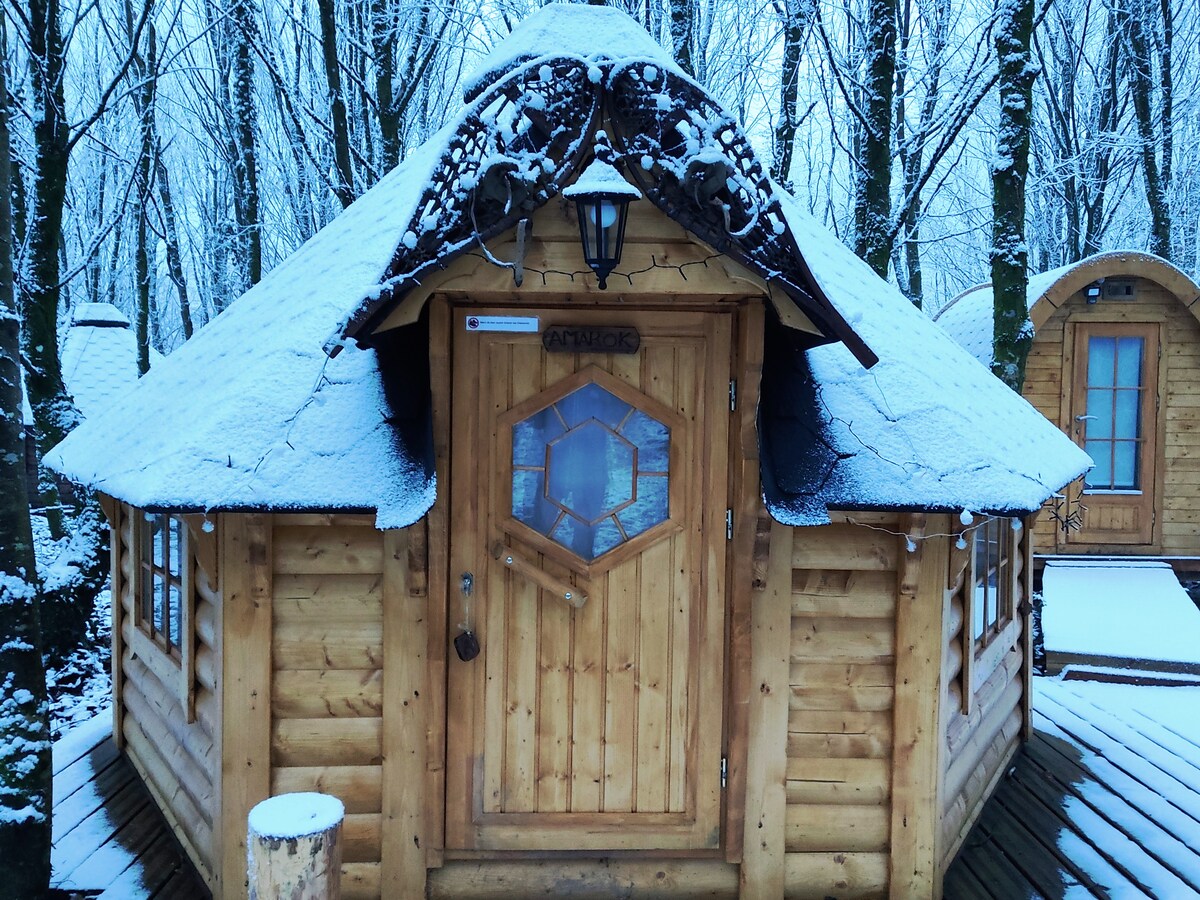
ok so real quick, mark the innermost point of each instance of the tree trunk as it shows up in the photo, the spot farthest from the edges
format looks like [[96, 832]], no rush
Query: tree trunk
[[54, 414], [26, 781], [245, 140], [1107, 119], [795, 20], [145, 68], [873, 175], [343, 186], [171, 239], [383, 48], [683, 24], [1141, 90], [1013, 334]]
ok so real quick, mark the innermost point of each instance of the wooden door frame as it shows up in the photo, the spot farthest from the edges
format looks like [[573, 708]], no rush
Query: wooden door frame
[[742, 570], [1152, 452], [742, 490]]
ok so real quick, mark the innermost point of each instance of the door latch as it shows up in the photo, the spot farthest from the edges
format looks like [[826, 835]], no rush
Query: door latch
[[466, 644]]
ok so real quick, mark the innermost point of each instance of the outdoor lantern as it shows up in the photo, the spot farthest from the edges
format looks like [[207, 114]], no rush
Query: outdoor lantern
[[602, 199]]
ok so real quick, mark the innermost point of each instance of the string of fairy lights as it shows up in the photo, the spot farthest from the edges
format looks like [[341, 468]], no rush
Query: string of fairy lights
[[966, 517], [629, 275]]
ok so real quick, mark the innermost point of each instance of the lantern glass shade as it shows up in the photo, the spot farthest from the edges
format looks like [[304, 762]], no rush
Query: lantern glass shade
[[602, 230]]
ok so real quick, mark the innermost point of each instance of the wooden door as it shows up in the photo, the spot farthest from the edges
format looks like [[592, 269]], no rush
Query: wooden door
[[594, 728], [1114, 417]]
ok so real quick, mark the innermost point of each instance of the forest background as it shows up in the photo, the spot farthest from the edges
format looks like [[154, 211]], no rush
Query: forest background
[[162, 155]]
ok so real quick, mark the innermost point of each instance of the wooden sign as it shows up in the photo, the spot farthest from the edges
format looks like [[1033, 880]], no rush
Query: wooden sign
[[591, 339]]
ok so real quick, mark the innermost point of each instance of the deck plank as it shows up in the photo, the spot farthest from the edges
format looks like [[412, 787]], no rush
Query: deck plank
[[1095, 804], [989, 853], [109, 838], [1168, 834]]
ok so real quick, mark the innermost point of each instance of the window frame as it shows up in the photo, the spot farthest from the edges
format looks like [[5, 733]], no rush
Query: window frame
[[678, 451], [150, 641], [986, 638], [1148, 423]]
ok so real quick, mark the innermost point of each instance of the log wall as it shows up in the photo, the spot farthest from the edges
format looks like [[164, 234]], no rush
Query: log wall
[[840, 708], [982, 734], [1047, 387], [327, 676], [174, 749], [338, 598]]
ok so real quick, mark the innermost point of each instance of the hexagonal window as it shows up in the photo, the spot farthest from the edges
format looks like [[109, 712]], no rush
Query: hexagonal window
[[590, 471]]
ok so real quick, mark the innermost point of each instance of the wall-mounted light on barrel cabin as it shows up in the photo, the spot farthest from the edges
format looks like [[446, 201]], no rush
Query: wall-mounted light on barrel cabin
[[602, 198]]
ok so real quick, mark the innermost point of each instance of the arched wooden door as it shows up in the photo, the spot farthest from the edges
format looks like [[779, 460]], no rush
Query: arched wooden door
[[602, 475]]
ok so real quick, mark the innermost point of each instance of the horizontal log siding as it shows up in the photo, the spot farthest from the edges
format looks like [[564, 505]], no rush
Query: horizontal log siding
[[1179, 408], [977, 745], [178, 760], [327, 676], [843, 597]]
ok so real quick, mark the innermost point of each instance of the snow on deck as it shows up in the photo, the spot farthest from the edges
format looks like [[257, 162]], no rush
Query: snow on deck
[[1129, 614], [109, 838], [1104, 801]]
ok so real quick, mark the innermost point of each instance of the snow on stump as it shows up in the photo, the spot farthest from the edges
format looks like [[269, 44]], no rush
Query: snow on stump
[[294, 847]]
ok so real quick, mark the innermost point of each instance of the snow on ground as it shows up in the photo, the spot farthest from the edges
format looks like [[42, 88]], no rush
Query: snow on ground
[[80, 686], [1130, 609]]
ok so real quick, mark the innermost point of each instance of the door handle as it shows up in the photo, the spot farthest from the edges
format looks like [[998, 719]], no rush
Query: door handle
[[565, 591]]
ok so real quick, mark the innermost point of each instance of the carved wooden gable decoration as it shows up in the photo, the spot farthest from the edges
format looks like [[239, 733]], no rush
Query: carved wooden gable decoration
[[524, 137]]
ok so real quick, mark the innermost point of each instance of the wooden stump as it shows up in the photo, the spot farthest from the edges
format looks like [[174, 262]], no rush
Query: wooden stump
[[294, 847]]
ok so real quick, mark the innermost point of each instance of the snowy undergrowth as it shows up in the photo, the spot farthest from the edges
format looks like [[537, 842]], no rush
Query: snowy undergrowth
[[80, 685]]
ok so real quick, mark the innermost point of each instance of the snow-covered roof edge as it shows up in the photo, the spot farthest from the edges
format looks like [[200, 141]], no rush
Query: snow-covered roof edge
[[968, 317], [927, 429], [558, 29]]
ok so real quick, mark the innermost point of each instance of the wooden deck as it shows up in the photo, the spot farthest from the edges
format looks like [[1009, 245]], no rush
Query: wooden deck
[[110, 841], [1095, 805]]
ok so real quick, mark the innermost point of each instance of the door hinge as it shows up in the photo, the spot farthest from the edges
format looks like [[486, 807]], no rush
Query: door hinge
[[729, 524], [724, 771], [732, 394]]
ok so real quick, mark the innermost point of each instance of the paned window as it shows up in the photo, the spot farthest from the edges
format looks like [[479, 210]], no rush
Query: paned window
[[163, 555], [992, 585], [1114, 401], [590, 471]]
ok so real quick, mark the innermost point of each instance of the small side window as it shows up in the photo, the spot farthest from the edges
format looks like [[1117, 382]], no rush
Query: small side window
[[990, 603], [162, 558], [992, 606]]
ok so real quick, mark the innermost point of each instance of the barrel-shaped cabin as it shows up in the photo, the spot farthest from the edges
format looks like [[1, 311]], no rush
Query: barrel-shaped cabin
[[711, 583], [1114, 364]]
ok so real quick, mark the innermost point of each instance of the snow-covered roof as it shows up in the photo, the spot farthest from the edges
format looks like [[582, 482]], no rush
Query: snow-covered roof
[[99, 314], [968, 318], [99, 357], [926, 427], [251, 413], [589, 32]]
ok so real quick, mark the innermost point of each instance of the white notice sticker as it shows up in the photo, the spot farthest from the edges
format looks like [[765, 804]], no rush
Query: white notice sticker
[[503, 323]]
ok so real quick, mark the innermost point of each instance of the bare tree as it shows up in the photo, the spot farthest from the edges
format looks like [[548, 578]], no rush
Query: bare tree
[[1013, 38], [344, 183], [1147, 28], [795, 18], [26, 783]]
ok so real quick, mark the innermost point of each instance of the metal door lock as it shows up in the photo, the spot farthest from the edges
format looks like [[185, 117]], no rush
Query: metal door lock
[[466, 644]]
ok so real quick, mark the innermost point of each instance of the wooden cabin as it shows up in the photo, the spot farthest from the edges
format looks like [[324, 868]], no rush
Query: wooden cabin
[[708, 584], [1114, 364]]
